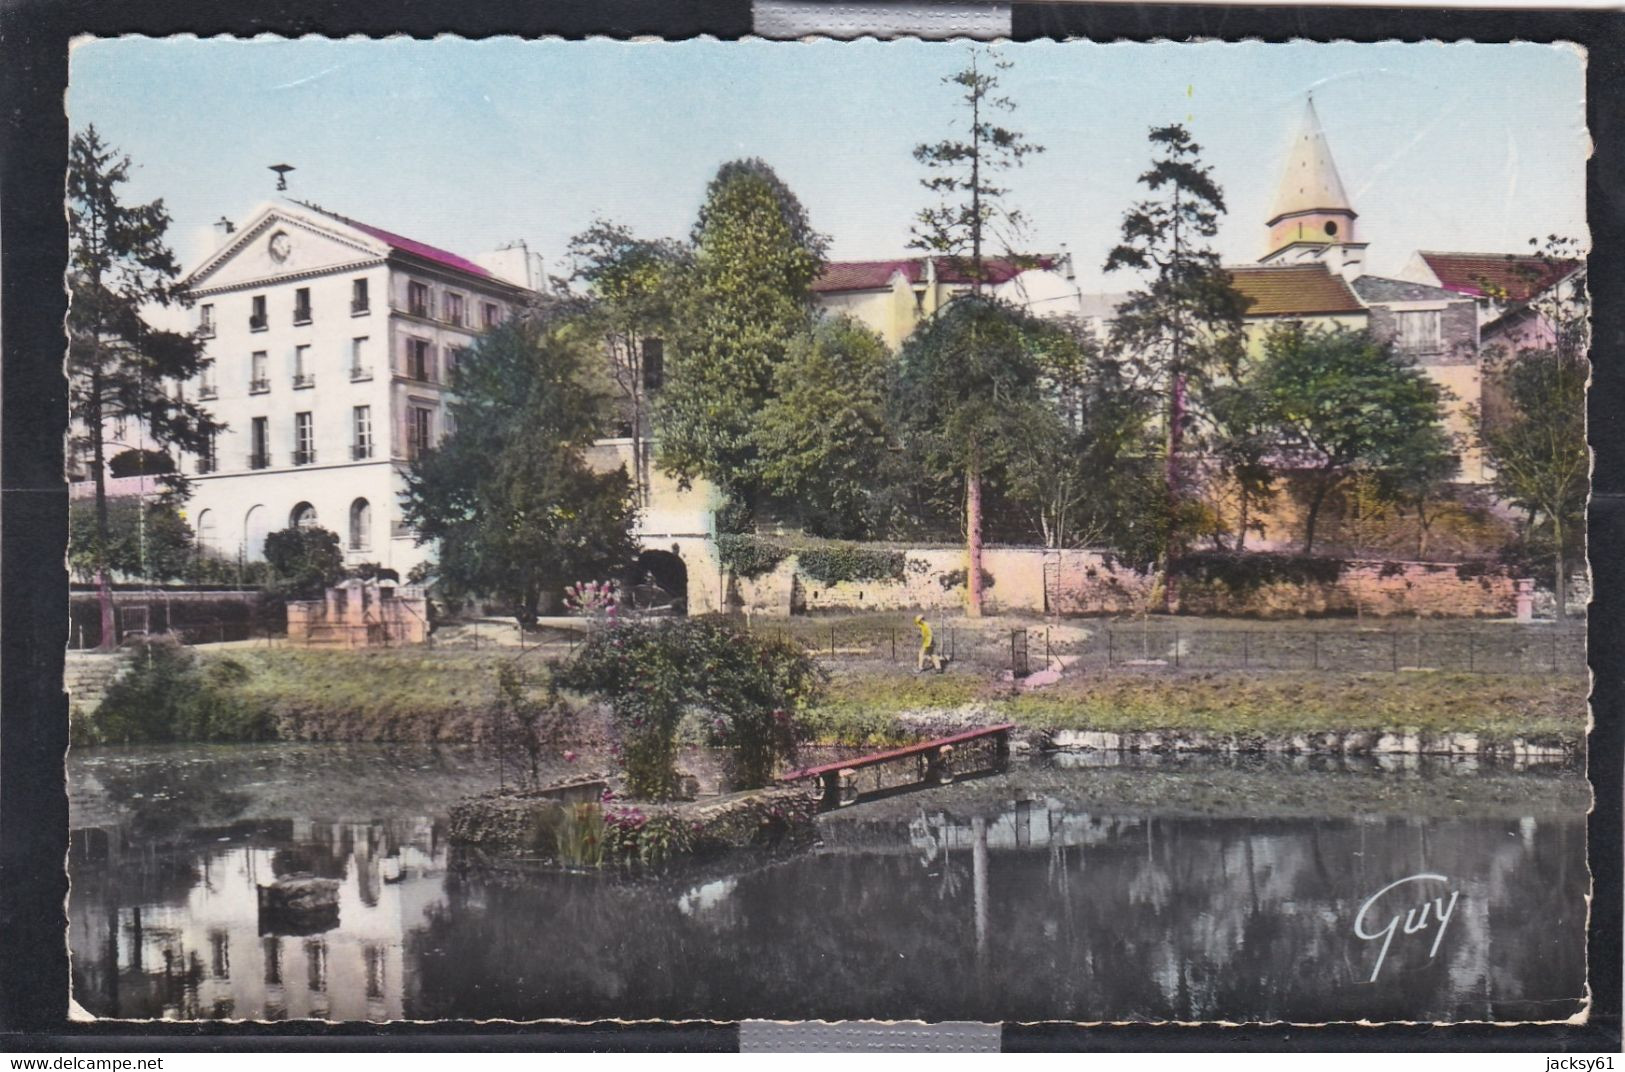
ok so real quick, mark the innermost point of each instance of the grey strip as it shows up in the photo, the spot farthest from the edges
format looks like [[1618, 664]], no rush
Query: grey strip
[[866, 1036], [879, 18]]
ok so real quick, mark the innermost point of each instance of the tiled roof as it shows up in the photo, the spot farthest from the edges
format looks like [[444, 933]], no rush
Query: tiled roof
[[863, 275], [1517, 276], [1376, 288], [410, 246], [1294, 290], [876, 275]]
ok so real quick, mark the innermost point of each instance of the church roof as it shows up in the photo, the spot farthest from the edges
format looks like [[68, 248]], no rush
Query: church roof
[[1294, 290], [1310, 181], [1517, 277]]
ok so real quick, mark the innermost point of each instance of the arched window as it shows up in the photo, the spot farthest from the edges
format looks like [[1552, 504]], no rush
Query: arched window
[[256, 526], [361, 525], [206, 535], [302, 516]]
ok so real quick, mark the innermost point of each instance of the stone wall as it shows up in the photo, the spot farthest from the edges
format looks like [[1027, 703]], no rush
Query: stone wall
[[1039, 581], [1429, 589]]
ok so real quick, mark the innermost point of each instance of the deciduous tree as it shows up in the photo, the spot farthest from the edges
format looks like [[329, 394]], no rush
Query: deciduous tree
[[748, 296], [823, 437], [636, 285], [1344, 403], [509, 496]]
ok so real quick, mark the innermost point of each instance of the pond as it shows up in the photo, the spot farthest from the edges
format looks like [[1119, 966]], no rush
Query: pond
[[1179, 888]]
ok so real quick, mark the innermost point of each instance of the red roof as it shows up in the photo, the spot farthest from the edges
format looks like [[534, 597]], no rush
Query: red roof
[[876, 275], [410, 246], [1294, 290], [864, 275], [1514, 276]]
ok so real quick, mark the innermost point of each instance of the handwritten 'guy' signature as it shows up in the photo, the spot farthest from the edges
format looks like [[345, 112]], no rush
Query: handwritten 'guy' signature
[[1416, 918]]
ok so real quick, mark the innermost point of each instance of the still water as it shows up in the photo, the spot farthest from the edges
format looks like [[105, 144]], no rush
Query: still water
[[1189, 889]]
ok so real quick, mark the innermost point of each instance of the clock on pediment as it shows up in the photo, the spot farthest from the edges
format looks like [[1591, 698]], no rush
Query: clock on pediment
[[281, 246]]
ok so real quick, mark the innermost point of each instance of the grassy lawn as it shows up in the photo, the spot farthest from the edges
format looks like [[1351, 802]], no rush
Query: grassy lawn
[[442, 694], [863, 708]]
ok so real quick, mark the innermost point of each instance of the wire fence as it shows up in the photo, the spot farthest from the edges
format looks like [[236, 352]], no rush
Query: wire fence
[[1503, 650]]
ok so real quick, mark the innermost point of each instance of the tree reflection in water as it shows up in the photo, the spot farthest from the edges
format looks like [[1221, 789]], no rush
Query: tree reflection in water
[[1029, 908]]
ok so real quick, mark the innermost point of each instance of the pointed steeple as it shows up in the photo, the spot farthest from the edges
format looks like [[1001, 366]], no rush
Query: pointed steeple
[[1310, 182], [1312, 219]]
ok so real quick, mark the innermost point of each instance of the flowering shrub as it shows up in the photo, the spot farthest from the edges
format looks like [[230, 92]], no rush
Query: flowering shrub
[[749, 689], [634, 837], [592, 599]]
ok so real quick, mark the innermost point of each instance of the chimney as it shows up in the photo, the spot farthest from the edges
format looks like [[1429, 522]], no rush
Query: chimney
[[516, 264]]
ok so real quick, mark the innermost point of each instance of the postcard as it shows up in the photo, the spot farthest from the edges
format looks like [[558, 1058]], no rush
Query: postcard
[[567, 530]]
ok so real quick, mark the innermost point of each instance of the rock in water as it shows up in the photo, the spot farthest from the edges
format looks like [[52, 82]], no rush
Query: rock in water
[[301, 892]]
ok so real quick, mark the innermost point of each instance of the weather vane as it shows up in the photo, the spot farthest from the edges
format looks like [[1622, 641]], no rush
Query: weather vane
[[281, 174]]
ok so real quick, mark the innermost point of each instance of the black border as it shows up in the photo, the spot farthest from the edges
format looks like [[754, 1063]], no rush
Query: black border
[[34, 36]]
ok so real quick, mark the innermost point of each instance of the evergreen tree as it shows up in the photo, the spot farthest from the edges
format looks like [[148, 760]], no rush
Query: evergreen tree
[[120, 368], [1185, 324], [748, 295], [509, 496], [972, 209], [969, 390]]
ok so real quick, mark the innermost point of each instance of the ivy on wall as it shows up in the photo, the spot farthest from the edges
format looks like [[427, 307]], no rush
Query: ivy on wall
[[747, 556], [1247, 572], [850, 562]]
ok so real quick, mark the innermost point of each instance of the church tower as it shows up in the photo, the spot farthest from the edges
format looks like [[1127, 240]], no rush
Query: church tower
[[1312, 220]]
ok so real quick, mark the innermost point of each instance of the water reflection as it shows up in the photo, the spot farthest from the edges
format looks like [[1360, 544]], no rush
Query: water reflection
[[1005, 905]]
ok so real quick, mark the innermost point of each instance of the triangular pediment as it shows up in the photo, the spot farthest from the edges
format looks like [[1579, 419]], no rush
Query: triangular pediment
[[278, 243]]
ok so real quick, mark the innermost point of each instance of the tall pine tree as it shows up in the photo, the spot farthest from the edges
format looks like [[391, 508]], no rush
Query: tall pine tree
[[121, 368], [971, 214], [1185, 324]]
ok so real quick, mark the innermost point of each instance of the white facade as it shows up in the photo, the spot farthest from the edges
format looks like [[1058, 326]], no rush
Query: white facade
[[330, 345]]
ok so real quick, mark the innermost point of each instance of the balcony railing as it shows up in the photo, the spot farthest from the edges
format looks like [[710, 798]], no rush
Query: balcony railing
[[301, 380], [259, 322], [304, 457], [301, 316], [360, 306], [360, 373], [400, 530], [259, 461], [208, 391], [206, 330], [205, 465], [259, 386], [360, 452], [418, 308]]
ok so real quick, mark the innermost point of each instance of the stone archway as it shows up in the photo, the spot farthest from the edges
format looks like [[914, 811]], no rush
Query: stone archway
[[659, 579]]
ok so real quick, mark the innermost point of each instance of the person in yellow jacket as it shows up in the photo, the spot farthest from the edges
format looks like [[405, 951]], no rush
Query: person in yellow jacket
[[928, 647]]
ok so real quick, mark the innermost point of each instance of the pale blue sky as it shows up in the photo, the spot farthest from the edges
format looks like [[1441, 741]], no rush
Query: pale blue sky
[[470, 144]]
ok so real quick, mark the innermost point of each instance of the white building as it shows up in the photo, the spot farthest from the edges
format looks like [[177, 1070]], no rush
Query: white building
[[330, 346]]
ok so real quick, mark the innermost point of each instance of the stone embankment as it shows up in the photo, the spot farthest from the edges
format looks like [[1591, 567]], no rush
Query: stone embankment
[[1345, 743], [87, 675]]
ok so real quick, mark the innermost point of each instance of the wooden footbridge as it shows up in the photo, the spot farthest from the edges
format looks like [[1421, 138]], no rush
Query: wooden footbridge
[[915, 766]]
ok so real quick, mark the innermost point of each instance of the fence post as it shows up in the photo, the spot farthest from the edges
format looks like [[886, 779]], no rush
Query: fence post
[[1314, 639], [1470, 659], [1246, 653], [894, 645], [1176, 649], [1554, 647], [1108, 648], [1393, 639], [832, 641]]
